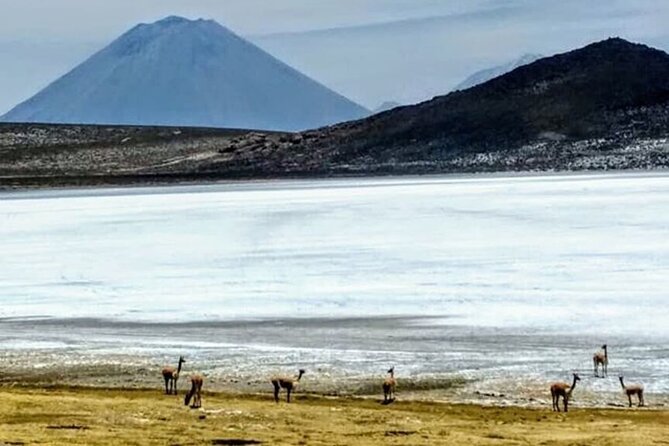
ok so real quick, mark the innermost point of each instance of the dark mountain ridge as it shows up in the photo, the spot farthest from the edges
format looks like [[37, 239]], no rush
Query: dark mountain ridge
[[571, 96], [604, 106]]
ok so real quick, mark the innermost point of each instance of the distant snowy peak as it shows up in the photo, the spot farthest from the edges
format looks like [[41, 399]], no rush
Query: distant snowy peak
[[483, 76], [182, 72]]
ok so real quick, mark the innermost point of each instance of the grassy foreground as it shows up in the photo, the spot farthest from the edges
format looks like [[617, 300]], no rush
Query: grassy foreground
[[103, 417]]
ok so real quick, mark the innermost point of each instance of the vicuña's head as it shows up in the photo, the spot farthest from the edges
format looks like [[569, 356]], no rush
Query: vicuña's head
[[576, 377], [187, 398], [181, 360], [391, 370], [302, 372], [604, 347]]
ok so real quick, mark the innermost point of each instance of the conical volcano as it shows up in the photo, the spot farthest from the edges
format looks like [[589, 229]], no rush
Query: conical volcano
[[181, 72]]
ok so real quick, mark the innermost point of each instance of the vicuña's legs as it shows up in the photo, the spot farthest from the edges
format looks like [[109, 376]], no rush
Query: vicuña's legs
[[276, 392], [288, 394], [197, 401]]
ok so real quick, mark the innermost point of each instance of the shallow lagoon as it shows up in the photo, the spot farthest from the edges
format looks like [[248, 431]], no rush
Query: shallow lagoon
[[485, 278]]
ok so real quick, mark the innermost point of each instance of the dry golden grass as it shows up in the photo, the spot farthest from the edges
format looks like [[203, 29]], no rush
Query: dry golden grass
[[104, 417]]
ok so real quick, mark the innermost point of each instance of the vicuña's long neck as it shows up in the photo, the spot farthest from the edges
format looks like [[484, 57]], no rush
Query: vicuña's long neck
[[622, 383], [606, 353], [299, 377], [179, 368], [573, 384], [392, 374]]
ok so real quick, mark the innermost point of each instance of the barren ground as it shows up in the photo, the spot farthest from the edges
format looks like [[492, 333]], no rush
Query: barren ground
[[100, 416]]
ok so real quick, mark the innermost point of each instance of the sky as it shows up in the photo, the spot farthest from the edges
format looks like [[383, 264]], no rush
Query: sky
[[371, 51]]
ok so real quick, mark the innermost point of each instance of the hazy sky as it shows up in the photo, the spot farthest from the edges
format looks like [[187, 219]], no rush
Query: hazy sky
[[369, 50]]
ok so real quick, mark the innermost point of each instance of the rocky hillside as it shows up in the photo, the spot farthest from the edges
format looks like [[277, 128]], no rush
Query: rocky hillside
[[605, 106], [608, 98]]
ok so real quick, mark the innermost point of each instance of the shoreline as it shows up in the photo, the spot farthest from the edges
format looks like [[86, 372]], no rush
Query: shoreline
[[122, 184], [305, 395], [240, 356], [114, 377]]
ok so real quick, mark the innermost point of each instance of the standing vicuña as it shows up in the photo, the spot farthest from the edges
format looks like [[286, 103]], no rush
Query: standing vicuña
[[389, 387], [171, 376], [285, 382], [563, 390], [632, 389], [195, 392], [601, 358]]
